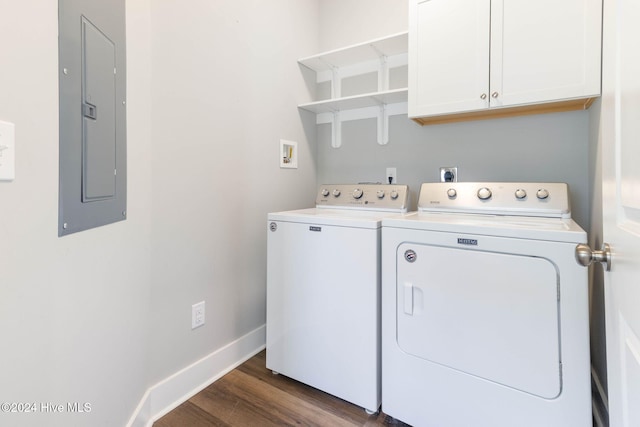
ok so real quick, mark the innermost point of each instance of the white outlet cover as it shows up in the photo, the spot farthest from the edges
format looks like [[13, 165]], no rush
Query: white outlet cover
[[7, 151], [197, 315], [391, 172]]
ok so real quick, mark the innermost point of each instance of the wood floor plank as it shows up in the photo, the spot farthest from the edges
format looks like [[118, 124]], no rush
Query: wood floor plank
[[251, 395], [257, 367], [188, 414], [281, 407]]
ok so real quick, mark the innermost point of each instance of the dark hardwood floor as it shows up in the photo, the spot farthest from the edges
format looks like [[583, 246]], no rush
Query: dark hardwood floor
[[251, 395]]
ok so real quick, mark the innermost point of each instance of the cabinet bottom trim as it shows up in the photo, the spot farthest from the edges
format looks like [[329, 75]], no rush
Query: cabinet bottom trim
[[551, 107]]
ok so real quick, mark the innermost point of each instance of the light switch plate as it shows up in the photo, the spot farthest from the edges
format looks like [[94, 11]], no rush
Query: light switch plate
[[7, 151]]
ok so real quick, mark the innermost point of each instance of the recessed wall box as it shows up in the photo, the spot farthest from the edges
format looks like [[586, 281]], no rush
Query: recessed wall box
[[288, 154]]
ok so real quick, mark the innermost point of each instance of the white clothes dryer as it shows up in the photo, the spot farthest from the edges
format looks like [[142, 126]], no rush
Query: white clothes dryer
[[323, 290], [485, 309]]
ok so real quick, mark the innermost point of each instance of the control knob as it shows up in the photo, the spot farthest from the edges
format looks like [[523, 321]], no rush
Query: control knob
[[452, 193], [336, 193], [542, 194], [324, 192], [520, 194], [380, 194], [393, 194], [357, 193], [484, 193]]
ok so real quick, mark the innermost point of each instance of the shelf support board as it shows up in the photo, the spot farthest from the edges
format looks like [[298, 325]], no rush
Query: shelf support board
[[383, 74], [336, 83], [383, 125], [336, 130]]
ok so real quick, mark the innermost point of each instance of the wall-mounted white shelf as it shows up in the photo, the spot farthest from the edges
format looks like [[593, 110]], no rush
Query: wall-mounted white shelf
[[378, 56], [373, 99], [393, 45]]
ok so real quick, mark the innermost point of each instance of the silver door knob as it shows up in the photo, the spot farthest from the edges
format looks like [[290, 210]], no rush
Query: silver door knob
[[494, 95], [483, 96], [585, 256]]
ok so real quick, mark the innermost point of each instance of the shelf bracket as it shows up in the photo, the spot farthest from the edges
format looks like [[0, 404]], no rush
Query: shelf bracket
[[383, 69], [383, 125], [336, 130], [383, 74], [336, 83]]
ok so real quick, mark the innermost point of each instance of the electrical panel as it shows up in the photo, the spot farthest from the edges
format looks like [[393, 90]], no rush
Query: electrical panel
[[92, 80]]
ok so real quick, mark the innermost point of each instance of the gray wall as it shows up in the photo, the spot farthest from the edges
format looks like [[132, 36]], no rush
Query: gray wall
[[347, 22], [549, 147], [225, 85]]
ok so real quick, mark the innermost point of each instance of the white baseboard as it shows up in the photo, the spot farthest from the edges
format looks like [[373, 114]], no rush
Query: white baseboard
[[179, 387]]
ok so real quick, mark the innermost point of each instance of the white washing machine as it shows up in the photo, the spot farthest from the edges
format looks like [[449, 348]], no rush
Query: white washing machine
[[323, 290], [485, 309]]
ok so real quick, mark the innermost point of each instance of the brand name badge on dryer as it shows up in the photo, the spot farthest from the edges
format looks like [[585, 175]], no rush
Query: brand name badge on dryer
[[313, 228], [472, 242]]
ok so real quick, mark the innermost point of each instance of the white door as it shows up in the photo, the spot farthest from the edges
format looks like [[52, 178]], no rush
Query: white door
[[620, 133]]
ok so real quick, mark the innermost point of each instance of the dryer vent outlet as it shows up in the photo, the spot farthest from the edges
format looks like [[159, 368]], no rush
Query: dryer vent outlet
[[449, 174]]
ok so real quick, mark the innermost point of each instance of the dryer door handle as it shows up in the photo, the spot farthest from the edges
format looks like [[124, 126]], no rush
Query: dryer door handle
[[408, 299], [586, 256]]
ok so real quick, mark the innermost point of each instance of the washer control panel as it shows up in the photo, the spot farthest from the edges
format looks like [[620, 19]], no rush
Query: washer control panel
[[497, 198], [382, 197]]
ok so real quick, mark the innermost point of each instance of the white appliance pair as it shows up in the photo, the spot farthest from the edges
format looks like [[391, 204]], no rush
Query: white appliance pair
[[484, 309]]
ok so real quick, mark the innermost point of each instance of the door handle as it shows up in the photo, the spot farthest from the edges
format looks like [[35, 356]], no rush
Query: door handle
[[585, 256]]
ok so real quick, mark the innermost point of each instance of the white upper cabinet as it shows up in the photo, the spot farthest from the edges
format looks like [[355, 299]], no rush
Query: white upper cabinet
[[448, 56], [545, 50], [477, 58]]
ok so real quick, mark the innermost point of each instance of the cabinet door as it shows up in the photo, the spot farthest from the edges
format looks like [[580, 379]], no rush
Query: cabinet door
[[448, 56], [544, 50]]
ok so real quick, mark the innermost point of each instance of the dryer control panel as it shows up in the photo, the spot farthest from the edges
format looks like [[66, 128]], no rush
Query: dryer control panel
[[375, 197], [498, 198]]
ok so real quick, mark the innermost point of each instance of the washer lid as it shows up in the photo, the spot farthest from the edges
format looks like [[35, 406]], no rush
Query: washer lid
[[333, 217]]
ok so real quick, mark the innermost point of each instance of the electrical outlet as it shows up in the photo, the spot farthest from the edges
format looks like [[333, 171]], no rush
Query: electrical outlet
[[391, 176], [449, 174], [197, 315]]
